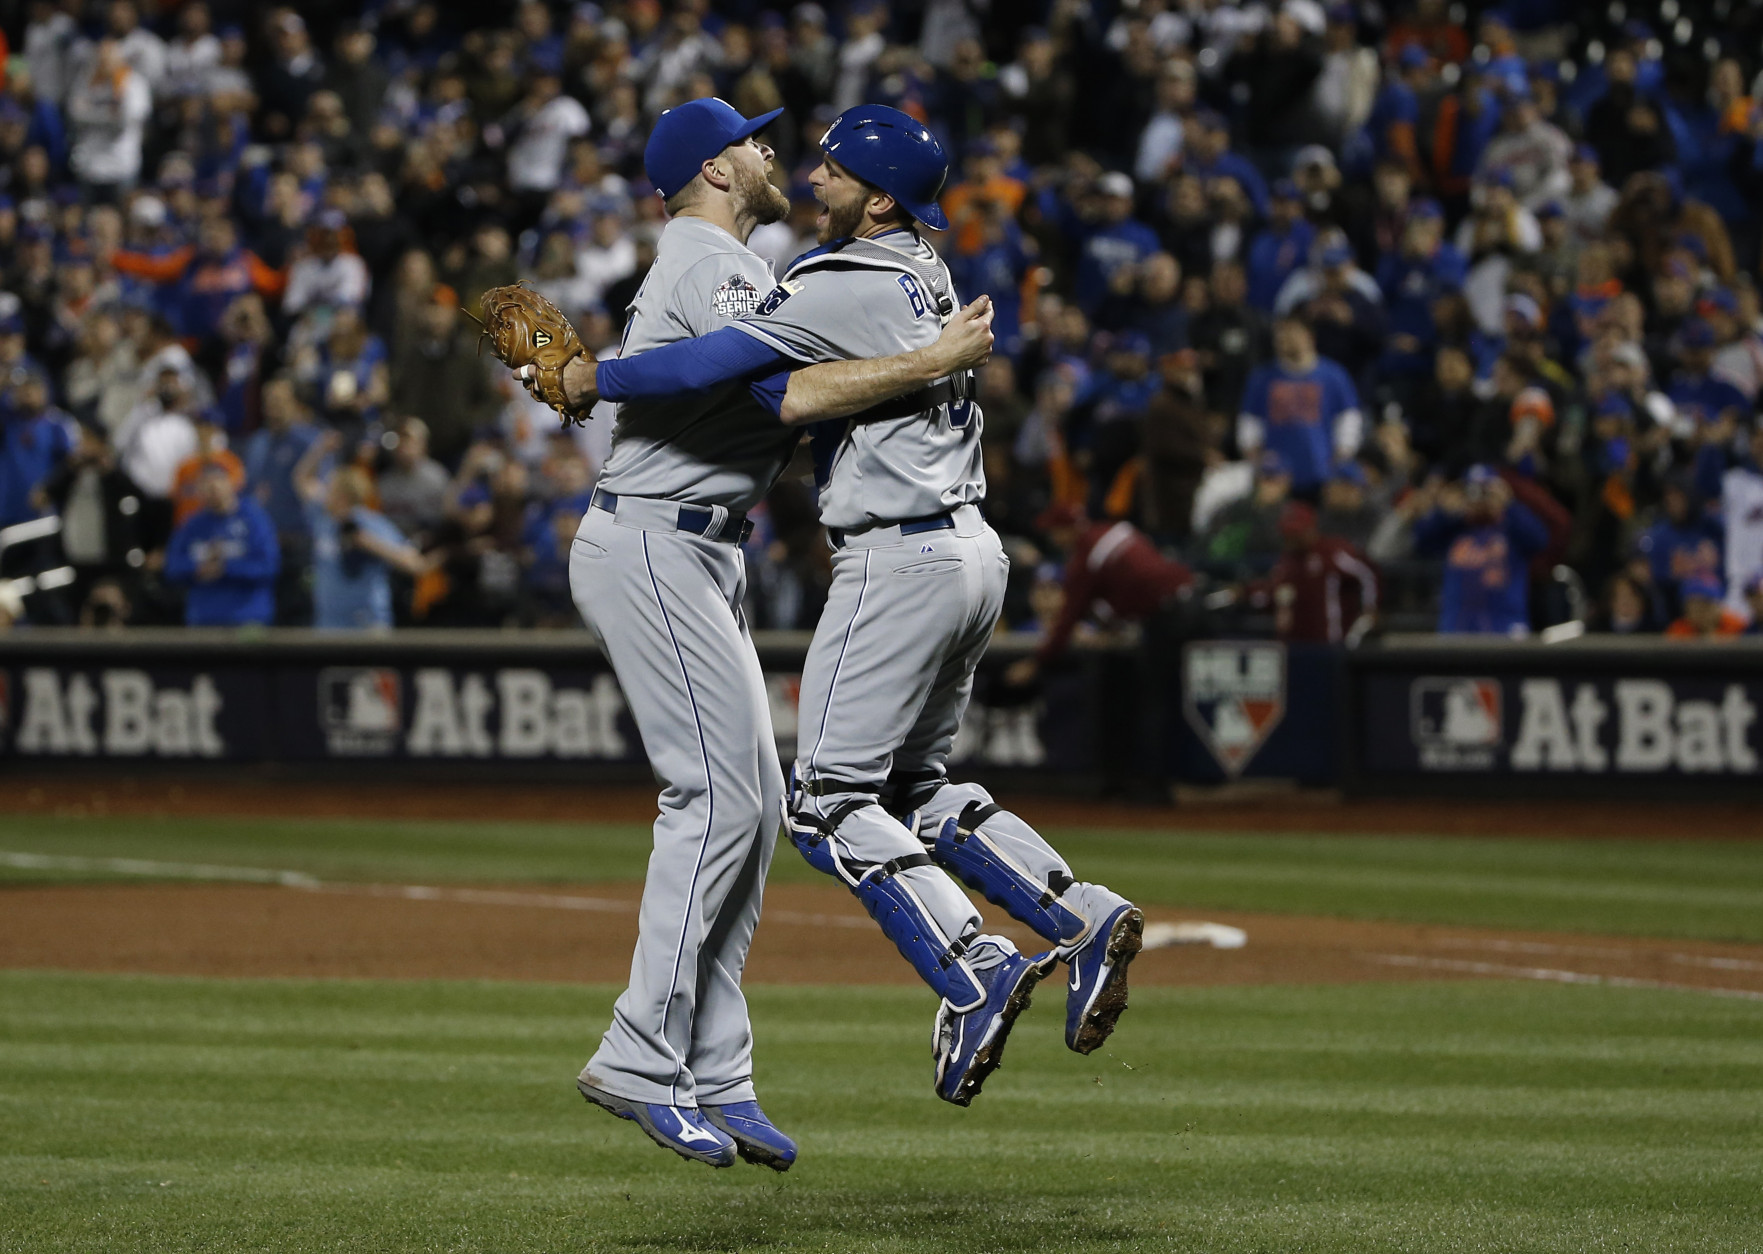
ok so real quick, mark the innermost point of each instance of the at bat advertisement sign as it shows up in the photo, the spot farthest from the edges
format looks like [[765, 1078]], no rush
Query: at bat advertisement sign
[[1587, 724]]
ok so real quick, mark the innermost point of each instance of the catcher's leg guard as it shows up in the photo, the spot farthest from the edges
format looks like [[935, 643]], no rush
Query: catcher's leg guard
[[940, 960], [962, 845]]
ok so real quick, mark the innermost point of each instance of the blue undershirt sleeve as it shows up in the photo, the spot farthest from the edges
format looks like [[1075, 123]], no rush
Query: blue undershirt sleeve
[[769, 391], [687, 366]]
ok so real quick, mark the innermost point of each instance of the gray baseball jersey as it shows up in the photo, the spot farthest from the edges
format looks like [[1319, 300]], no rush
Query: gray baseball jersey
[[875, 298], [716, 447]]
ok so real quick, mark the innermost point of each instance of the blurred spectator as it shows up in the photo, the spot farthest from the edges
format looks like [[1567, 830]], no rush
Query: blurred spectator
[[1244, 532], [1179, 441], [155, 439], [1705, 614], [1303, 407], [439, 376], [328, 275], [202, 281], [1530, 150], [1487, 540], [1322, 589], [99, 507], [108, 107], [1348, 512], [413, 487], [211, 453], [354, 548], [226, 554], [1115, 240], [35, 440], [1280, 248], [1628, 608], [1684, 544], [1588, 200], [1106, 564]]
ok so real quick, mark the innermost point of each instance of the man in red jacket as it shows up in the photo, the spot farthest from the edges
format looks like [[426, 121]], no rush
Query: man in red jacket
[[1323, 589], [1109, 563]]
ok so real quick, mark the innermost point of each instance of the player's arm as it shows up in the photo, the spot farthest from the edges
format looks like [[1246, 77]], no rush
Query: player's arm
[[835, 390], [839, 389]]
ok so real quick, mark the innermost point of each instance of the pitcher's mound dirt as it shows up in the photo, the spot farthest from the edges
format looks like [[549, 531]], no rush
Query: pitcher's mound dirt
[[809, 934]]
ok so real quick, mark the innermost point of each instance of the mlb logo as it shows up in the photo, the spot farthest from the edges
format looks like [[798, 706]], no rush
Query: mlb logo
[[1457, 723], [361, 708], [1233, 695]]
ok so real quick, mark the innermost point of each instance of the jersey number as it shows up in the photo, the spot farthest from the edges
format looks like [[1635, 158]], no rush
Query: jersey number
[[909, 285]]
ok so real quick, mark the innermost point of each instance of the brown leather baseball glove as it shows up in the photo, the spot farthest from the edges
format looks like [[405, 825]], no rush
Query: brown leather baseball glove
[[525, 329]]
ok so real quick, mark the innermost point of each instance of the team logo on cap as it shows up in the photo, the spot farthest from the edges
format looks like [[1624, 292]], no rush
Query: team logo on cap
[[735, 298]]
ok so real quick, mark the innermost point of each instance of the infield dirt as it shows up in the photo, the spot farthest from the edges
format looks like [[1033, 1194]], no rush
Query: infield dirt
[[810, 934]]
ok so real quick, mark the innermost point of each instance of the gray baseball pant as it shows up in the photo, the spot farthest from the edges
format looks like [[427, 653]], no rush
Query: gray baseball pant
[[666, 604], [887, 680]]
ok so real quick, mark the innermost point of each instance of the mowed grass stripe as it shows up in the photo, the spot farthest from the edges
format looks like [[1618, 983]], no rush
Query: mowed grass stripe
[[180, 1114], [1692, 889]]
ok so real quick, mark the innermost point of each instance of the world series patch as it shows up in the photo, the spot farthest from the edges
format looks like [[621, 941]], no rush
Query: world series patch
[[736, 298]]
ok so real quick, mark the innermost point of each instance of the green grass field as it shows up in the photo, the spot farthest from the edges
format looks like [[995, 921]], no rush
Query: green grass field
[[1707, 889], [154, 1114]]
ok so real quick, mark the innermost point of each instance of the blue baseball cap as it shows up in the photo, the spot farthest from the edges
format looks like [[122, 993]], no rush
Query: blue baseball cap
[[1350, 472], [1707, 586], [1585, 152], [1335, 255], [1131, 342], [1412, 57], [1696, 334], [1270, 463], [1424, 207], [1286, 189], [687, 136]]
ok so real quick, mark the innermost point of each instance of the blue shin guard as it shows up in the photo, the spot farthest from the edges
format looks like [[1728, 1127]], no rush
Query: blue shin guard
[[963, 847], [938, 959]]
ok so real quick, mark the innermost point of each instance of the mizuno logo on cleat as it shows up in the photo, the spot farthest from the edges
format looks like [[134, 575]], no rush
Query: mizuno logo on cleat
[[693, 1136]]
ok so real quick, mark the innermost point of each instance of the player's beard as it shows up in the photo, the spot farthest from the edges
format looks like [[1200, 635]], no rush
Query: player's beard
[[841, 220], [757, 198]]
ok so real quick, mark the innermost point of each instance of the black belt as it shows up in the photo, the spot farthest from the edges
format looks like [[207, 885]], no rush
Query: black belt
[[955, 388], [695, 519], [907, 526]]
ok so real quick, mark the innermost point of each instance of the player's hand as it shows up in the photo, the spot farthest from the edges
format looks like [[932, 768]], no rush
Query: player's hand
[[967, 341], [581, 384]]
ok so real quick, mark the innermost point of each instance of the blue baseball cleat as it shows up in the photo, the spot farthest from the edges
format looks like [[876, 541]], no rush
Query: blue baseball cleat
[[756, 1138], [1097, 992], [968, 1047], [682, 1129]]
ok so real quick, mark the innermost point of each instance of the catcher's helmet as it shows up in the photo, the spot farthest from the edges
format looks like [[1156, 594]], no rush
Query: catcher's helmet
[[893, 151]]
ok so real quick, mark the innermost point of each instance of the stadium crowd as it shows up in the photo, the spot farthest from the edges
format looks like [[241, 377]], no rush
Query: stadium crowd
[[1448, 314]]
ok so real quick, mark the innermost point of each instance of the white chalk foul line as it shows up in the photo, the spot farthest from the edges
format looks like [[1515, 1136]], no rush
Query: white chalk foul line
[[1711, 961], [1502, 971], [406, 892], [158, 870]]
